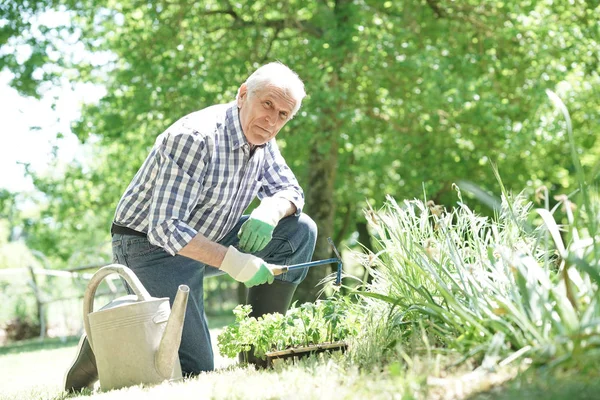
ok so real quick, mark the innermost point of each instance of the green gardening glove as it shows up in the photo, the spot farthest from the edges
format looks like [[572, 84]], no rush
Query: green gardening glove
[[257, 231], [264, 275], [247, 268]]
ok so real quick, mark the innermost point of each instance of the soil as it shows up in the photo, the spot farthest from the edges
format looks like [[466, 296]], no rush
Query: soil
[[304, 351]]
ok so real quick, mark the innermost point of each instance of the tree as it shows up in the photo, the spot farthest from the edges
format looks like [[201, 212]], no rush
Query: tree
[[404, 98]]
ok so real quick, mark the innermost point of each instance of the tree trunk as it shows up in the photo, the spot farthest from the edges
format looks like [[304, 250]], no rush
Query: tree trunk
[[323, 158], [364, 238], [321, 208]]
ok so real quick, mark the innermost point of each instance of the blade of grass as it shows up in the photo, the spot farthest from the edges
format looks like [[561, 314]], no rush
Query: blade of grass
[[553, 230], [558, 103]]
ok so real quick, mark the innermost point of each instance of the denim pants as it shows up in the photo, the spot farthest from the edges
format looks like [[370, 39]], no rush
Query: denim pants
[[161, 274]]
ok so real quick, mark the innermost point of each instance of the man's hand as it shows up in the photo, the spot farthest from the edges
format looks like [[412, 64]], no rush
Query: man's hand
[[247, 268], [257, 231]]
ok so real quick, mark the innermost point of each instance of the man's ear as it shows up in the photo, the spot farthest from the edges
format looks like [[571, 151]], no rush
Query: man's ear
[[242, 95]]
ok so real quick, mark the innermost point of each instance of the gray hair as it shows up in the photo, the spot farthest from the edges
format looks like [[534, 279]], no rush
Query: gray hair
[[280, 76]]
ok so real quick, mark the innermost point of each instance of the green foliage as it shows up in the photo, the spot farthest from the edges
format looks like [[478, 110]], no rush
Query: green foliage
[[311, 323], [13, 253], [18, 314], [486, 287], [402, 95], [22, 325], [492, 288]]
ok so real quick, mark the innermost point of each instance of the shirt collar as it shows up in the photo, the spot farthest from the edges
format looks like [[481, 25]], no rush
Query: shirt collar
[[234, 127]]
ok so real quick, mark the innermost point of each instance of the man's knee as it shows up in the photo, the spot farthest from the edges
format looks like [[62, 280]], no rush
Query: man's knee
[[308, 227], [299, 244]]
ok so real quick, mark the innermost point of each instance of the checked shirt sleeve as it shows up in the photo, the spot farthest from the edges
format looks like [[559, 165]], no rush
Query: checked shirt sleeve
[[279, 180], [181, 159]]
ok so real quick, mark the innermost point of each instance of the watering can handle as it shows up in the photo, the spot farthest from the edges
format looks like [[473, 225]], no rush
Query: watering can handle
[[125, 273]]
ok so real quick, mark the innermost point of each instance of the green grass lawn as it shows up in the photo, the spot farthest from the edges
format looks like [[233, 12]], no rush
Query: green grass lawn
[[34, 370]]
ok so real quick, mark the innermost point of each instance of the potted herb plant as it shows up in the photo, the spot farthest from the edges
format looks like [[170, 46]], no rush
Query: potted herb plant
[[307, 329]]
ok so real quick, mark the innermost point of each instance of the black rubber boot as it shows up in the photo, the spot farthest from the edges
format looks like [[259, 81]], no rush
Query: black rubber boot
[[83, 372], [267, 299]]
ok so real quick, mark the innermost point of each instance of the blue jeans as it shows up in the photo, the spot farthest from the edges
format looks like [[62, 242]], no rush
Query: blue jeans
[[161, 274]]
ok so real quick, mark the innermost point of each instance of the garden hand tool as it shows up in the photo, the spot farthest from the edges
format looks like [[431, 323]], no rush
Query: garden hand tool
[[138, 342], [278, 270]]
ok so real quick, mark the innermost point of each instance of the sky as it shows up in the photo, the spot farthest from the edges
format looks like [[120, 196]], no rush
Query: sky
[[21, 144], [19, 114]]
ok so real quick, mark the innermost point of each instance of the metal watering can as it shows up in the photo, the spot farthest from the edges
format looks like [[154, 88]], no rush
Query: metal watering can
[[135, 338]]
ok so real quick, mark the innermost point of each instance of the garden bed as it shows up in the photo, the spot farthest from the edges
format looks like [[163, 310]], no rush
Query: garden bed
[[299, 352], [310, 328]]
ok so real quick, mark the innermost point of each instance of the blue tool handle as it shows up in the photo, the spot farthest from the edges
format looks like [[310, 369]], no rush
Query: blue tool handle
[[338, 260], [311, 264], [338, 278]]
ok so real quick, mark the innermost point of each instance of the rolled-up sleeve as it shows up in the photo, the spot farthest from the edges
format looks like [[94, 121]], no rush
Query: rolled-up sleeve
[[182, 159], [279, 180]]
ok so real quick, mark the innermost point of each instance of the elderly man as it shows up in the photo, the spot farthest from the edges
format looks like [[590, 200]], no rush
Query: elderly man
[[180, 219]]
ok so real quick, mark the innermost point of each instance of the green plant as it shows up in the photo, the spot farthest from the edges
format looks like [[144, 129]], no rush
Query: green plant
[[311, 323], [493, 288], [470, 280], [22, 325]]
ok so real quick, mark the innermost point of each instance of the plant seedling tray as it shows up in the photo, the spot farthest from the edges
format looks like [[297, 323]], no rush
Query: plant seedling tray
[[299, 352]]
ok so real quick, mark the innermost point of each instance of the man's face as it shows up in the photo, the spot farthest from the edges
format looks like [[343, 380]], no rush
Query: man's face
[[264, 113]]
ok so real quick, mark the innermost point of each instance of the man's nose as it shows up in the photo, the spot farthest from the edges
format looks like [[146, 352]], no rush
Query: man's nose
[[272, 117]]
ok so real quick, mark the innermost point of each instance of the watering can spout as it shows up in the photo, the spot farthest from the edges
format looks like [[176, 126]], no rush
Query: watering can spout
[[171, 339]]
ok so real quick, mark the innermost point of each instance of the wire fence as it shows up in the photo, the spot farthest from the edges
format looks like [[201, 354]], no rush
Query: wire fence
[[53, 299]]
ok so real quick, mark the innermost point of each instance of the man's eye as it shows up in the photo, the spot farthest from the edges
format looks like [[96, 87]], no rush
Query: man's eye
[[283, 115], [267, 103]]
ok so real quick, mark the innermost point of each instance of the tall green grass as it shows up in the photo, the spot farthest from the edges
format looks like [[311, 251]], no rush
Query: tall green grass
[[521, 284]]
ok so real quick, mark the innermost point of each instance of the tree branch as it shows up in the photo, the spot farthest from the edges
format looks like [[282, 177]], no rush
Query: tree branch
[[459, 15], [437, 11], [325, 3], [266, 55], [277, 24], [226, 12], [387, 120], [305, 26], [280, 24]]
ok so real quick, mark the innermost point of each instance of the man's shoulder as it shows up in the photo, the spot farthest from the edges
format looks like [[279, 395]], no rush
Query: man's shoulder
[[271, 146], [214, 113], [207, 119], [201, 124]]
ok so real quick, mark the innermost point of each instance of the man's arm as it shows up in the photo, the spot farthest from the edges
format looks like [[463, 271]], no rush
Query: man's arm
[[242, 267], [280, 206], [211, 253], [279, 181], [280, 196], [181, 159], [204, 250]]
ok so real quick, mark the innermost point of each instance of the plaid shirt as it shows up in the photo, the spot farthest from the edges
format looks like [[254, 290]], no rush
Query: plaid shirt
[[200, 177]]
